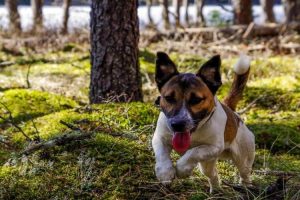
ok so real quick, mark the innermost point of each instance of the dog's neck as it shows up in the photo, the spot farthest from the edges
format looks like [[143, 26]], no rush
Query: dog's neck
[[216, 117]]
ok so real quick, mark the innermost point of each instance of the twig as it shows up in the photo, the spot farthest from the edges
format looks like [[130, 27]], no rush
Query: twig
[[250, 105], [11, 121], [6, 63], [223, 7], [241, 188], [276, 173], [249, 30], [70, 126], [27, 77], [225, 40], [59, 141]]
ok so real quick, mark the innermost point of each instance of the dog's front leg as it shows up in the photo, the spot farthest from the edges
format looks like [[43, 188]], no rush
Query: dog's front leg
[[164, 170], [192, 157]]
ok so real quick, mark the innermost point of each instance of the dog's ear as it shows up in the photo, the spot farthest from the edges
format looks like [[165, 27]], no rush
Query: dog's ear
[[210, 73], [165, 69]]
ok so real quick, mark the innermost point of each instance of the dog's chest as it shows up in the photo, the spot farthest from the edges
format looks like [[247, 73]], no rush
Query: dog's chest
[[212, 131]]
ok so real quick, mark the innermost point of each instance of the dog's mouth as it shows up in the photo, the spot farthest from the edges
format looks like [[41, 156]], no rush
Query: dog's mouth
[[181, 141]]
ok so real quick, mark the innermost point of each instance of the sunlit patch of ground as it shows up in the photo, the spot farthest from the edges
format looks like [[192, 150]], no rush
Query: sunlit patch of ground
[[117, 162]]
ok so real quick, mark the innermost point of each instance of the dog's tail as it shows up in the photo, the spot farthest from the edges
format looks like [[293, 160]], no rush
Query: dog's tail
[[241, 72]]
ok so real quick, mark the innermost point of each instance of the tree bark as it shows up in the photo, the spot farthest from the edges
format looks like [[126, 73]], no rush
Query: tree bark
[[267, 6], [166, 14], [66, 6], [242, 11], [115, 72], [186, 13], [200, 21], [37, 14], [149, 5], [177, 5], [292, 10], [13, 15]]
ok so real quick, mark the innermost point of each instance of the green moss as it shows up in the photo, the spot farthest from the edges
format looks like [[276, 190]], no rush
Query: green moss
[[147, 61], [108, 168], [75, 68], [28, 104], [266, 160], [122, 167], [187, 63], [135, 119]]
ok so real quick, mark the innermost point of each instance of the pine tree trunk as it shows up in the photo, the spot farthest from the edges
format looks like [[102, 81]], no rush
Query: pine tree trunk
[[149, 5], [267, 6], [200, 21], [13, 15], [115, 72], [186, 13], [242, 11], [166, 14], [292, 10], [37, 14], [177, 5], [66, 6]]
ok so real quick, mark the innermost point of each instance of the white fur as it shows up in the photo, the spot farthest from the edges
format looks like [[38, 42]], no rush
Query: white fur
[[242, 65], [207, 145]]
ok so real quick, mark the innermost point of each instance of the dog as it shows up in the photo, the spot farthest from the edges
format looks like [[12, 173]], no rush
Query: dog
[[197, 125]]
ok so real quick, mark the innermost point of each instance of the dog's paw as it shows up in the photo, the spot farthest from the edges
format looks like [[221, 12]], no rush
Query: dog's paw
[[165, 172], [183, 170]]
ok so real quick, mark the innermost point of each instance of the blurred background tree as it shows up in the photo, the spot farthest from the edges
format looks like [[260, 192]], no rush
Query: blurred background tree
[[37, 10], [14, 16]]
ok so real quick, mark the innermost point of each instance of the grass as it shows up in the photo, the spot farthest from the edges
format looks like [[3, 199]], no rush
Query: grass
[[118, 161]]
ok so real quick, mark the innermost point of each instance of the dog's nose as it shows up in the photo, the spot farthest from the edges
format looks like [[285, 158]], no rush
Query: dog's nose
[[178, 126]]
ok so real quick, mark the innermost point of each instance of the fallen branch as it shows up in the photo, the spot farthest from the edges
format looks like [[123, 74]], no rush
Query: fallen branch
[[68, 138], [59, 141], [248, 30], [6, 63], [241, 188], [225, 40]]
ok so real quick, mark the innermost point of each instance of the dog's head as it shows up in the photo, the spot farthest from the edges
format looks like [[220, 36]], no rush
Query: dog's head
[[187, 99]]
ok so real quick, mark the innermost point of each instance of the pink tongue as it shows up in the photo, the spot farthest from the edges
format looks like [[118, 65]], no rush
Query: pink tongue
[[181, 141]]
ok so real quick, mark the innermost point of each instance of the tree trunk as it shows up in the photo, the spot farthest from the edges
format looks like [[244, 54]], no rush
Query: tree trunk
[[13, 15], [186, 13], [292, 10], [166, 14], [115, 72], [37, 14], [177, 5], [242, 11], [200, 21], [267, 6], [66, 6], [149, 5]]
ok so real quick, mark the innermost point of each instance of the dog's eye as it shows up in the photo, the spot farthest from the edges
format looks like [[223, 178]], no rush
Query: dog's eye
[[195, 100], [170, 99]]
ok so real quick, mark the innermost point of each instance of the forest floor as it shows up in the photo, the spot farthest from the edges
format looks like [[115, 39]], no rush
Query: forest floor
[[44, 95]]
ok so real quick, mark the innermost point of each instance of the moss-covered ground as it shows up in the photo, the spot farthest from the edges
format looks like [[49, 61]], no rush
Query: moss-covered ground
[[38, 93]]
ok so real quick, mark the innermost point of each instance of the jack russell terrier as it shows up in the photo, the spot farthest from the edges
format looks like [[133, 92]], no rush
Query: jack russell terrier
[[197, 125]]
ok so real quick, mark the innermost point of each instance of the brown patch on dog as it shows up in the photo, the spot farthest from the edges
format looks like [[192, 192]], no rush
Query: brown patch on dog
[[207, 104], [185, 88], [236, 91], [232, 124]]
